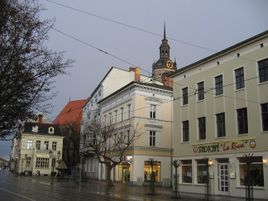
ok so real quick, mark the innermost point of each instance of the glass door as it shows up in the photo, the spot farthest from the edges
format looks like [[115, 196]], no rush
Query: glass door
[[223, 178]]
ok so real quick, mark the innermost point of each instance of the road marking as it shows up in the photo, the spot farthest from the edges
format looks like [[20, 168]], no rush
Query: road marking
[[17, 194]]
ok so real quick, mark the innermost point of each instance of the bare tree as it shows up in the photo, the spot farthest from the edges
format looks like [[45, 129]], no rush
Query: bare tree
[[110, 143], [27, 67], [71, 143]]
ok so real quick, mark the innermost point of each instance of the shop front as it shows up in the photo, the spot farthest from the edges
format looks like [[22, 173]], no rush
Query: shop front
[[223, 168]]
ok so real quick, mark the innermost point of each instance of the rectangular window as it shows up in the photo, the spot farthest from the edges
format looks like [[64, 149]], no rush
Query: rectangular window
[[38, 144], [200, 91], [29, 144], [252, 173], [115, 116], [28, 162], [122, 113], [152, 138], [220, 120], [46, 143], [264, 115], [242, 120], [218, 85], [185, 131], [185, 96], [54, 145], [152, 111], [186, 168], [202, 127], [111, 118], [129, 111], [42, 163], [202, 171], [263, 70], [239, 78]]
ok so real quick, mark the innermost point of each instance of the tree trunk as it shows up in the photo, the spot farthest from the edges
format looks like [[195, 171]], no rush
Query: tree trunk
[[108, 174]]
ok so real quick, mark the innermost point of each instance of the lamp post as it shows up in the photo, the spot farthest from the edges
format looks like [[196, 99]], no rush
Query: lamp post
[[152, 179], [176, 164], [53, 158], [248, 158], [209, 163]]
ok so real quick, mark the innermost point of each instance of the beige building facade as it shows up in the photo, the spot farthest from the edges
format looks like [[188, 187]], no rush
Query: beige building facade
[[37, 149], [220, 117], [141, 109]]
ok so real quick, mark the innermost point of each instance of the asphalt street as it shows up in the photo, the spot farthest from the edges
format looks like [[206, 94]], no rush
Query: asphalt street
[[39, 188]]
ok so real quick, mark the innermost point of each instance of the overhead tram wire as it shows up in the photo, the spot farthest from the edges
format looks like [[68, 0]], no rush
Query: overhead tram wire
[[130, 26], [125, 61], [92, 46]]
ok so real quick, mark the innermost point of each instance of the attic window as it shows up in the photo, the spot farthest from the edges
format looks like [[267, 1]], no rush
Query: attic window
[[261, 45], [238, 55], [51, 130], [218, 63]]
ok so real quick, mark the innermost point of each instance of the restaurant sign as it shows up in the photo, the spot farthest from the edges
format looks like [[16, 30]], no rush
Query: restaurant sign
[[224, 146]]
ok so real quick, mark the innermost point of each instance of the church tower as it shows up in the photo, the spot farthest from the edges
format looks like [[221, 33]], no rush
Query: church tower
[[164, 65]]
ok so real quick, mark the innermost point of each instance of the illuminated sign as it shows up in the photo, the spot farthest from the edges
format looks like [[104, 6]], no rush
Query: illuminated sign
[[224, 146]]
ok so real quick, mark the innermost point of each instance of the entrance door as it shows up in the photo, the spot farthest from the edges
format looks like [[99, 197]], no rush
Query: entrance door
[[223, 178]]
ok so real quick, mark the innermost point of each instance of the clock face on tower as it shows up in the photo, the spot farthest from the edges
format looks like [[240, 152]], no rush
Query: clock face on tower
[[169, 64]]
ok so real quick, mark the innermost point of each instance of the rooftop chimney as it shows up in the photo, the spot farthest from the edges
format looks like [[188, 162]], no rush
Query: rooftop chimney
[[167, 81], [40, 118], [137, 74]]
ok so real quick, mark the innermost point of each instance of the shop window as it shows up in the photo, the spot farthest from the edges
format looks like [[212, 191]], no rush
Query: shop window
[[152, 167], [255, 171], [186, 168], [202, 171], [42, 163]]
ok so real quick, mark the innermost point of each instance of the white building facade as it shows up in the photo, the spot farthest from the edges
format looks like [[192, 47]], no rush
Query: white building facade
[[112, 81], [142, 109], [220, 116]]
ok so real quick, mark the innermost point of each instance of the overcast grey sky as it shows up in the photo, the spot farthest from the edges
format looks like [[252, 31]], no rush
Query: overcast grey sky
[[193, 27]]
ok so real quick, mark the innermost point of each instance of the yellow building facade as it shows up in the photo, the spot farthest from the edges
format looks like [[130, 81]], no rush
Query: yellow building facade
[[221, 121]]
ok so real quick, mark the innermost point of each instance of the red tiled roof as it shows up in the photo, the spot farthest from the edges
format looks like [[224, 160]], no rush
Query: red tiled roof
[[71, 113]]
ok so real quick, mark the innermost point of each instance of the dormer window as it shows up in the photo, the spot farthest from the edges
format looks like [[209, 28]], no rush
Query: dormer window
[[51, 130], [35, 129]]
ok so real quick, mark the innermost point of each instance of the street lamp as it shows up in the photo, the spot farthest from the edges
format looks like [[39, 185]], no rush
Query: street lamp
[[53, 158], [248, 158], [176, 164], [209, 163]]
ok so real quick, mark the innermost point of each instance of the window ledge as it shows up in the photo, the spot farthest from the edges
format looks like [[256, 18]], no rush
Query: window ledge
[[218, 96], [264, 132], [254, 187], [263, 83], [201, 101], [185, 105], [240, 90]]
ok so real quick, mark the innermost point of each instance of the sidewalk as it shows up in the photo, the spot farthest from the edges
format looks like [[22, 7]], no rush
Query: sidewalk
[[127, 191]]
